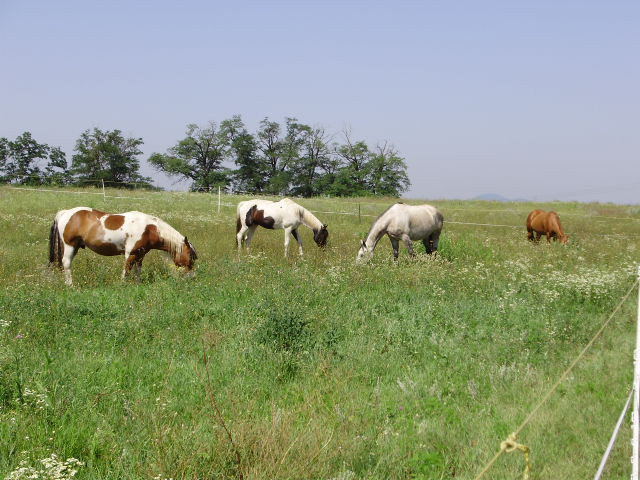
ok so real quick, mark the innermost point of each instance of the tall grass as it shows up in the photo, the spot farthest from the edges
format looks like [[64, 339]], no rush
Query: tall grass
[[320, 368]]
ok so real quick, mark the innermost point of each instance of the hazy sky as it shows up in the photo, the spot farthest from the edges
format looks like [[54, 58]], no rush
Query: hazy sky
[[539, 100]]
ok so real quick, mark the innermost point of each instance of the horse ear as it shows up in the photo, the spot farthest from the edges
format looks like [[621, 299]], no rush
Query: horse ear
[[186, 241], [363, 244], [325, 226]]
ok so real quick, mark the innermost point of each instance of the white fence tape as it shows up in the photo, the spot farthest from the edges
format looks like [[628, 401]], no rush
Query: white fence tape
[[72, 192]]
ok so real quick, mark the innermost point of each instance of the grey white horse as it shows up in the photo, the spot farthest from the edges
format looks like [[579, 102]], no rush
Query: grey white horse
[[407, 223]]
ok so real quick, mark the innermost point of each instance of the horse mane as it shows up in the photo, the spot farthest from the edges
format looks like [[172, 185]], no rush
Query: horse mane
[[308, 218], [172, 239]]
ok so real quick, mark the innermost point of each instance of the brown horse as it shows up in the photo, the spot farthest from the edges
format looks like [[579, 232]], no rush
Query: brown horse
[[132, 234], [541, 223]]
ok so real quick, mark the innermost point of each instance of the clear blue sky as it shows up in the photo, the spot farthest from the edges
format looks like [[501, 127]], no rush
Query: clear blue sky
[[526, 99]]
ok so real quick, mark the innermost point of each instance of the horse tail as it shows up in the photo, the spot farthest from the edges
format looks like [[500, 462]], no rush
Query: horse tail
[[238, 224], [55, 246], [439, 219]]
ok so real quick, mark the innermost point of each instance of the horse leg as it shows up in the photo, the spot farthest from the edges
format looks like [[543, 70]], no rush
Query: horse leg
[[129, 261], [250, 231], [530, 235], [67, 257], [409, 244], [548, 237], [298, 238], [138, 265], [431, 243], [395, 244], [538, 236], [287, 239], [240, 236]]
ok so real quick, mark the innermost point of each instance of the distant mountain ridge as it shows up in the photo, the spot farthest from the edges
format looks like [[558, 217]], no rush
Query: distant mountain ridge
[[496, 197]]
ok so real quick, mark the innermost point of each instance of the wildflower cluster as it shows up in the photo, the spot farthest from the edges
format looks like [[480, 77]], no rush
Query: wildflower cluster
[[587, 282], [34, 399], [53, 468]]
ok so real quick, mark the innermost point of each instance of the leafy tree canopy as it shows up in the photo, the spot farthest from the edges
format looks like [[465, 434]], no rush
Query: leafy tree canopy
[[198, 157], [108, 156], [25, 161]]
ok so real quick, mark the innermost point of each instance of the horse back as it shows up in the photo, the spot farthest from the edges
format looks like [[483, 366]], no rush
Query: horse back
[[553, 223], [535, 220], [414, 220]]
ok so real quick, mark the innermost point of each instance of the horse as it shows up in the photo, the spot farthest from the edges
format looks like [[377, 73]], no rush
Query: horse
[[131, 233], [541, 223], [285, 214], [407, 223]]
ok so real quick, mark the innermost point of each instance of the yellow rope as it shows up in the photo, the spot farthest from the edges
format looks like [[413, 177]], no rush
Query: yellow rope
[[511, 445], [555, 386]]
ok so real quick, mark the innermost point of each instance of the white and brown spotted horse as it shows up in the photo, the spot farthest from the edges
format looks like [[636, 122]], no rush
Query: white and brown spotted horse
[[285, 214], [132, 234]]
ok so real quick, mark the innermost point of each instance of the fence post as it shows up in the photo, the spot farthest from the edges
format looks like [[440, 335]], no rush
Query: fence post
[[635, 439], [358, 212], [219, 199], [104, 195]]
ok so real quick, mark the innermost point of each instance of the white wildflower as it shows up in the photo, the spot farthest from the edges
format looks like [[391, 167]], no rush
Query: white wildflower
[[53, 468], [34, 399]]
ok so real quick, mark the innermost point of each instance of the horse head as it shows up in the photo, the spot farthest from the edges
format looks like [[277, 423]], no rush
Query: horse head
[[186, 256], [320, 236], [364, 250], [564, 239]]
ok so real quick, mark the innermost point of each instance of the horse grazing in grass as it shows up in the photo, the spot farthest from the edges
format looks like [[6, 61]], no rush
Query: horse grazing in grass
[[406, 223], [132, 234], [285, 214], [541, 223]]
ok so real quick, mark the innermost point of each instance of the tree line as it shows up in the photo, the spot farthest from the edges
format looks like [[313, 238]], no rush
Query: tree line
[[280, 159]]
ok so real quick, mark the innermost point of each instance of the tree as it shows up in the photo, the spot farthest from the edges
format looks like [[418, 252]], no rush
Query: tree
[[275, 154], [198, 157], [387, 172], [252, 172], [289, 151], [312, 161], [108, 156], [270, 145], [352, 178], [25, 161], [57, 170]]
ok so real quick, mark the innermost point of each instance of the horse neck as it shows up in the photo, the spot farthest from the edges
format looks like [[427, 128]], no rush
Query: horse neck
[[375, 234], [171, 241], [310, 220]]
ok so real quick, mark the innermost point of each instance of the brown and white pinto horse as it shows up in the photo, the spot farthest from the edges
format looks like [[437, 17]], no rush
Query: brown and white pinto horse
[[541, 223], [132, 234]]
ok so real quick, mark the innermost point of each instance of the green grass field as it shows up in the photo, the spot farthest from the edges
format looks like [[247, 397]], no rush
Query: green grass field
[[319, 368]]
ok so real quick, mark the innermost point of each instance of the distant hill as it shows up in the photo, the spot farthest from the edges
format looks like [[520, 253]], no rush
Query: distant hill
[[495, 197]]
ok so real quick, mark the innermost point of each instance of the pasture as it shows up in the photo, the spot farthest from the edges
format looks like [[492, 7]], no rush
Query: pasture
[[318, 368]]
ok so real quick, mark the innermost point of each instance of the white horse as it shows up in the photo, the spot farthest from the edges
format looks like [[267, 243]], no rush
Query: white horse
[[285, 214], [406, 223]]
